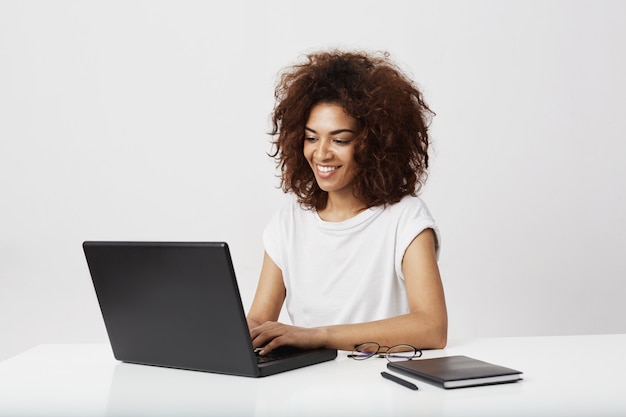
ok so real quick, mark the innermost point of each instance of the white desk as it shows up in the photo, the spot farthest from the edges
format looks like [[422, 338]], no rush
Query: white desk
[[569, 376]]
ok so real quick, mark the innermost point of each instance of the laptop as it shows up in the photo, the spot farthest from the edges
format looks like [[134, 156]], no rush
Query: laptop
[[177, 305]]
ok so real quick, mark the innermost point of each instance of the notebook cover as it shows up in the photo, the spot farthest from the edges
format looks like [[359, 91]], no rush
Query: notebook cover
[[456, 371]]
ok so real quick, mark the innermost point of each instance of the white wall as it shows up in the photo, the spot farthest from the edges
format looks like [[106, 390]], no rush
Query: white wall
[[146, 120]]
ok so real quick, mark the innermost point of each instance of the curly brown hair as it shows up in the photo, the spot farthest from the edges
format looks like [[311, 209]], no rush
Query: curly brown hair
[[391, 149]]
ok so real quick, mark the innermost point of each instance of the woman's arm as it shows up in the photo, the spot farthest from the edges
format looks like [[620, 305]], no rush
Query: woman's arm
[[269, 296], [425, 326]]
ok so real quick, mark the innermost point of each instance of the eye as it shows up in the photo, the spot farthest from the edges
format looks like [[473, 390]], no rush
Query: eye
[[342, 141], [309, 139]]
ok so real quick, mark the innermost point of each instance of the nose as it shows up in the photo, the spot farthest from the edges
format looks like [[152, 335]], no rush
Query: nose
[[322, 151]]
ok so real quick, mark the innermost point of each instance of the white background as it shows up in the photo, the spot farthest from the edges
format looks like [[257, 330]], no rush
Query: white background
[[147, 120]]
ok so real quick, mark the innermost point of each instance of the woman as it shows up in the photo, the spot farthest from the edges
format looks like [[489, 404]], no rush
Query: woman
[[355, 256]]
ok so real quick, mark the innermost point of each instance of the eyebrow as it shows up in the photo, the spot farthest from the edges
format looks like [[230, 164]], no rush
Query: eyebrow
[[334, 132]]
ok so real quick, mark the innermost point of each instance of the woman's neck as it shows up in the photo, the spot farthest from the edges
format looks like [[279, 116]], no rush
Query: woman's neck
[[341, 208]]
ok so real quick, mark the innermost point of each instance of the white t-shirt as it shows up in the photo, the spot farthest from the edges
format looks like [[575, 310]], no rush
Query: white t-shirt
[[349, 271]]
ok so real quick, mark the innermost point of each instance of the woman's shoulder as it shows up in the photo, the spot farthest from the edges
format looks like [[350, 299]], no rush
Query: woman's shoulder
[[291, 207], [410, 204], [411, 216], [410, 210], [290, 211]]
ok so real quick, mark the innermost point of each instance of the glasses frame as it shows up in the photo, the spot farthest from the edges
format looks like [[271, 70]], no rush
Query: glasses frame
[[361, 355]]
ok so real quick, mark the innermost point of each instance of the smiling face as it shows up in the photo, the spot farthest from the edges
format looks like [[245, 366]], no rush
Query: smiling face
[[329, 147]]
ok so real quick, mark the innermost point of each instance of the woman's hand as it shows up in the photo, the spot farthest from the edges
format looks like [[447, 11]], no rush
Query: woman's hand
[[271, 335]]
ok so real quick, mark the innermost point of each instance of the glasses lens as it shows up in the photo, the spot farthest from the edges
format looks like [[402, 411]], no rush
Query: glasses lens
[[402, 353], [364, 351]]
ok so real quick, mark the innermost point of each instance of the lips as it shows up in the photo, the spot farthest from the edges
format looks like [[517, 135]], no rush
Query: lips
[[326, 169]]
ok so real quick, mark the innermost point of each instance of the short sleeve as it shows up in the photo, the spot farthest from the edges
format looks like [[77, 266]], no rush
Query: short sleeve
[[271, 240], [413, 219]]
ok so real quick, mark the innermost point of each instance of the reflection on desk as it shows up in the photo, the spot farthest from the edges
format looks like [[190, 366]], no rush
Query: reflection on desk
[[564, 375]]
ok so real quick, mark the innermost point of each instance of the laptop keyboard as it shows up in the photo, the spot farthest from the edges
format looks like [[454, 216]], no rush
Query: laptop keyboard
[[276, 354]]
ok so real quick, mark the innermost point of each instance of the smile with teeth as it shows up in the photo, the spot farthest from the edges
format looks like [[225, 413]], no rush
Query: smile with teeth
[[326, 169]]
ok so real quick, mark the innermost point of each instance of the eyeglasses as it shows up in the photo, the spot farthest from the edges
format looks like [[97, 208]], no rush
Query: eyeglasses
[[393, 353]]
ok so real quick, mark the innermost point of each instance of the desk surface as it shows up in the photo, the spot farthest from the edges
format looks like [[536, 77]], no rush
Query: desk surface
[[563, 375]]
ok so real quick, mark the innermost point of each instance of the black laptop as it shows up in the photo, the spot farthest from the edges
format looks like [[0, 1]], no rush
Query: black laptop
[[177, 305]]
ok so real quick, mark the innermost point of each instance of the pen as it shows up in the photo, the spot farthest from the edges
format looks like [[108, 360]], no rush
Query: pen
[[399, 380]]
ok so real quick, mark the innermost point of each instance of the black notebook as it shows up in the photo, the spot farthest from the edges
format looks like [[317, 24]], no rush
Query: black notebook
[[456, 371]]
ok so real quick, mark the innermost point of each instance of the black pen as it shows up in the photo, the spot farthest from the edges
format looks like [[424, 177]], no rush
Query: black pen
[[399, 380]]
